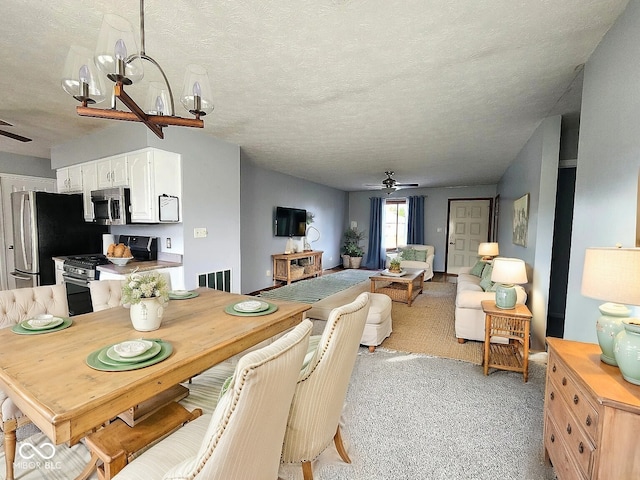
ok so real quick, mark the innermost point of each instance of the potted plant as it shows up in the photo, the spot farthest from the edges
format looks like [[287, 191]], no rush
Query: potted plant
[[394, 265], [352, 252], [146, 294]]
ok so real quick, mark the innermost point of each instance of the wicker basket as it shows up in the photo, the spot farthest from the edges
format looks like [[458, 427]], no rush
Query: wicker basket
[[296, 272]]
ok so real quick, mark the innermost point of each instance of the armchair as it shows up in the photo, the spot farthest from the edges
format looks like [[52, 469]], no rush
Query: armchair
[[416, 256], [16, 306]]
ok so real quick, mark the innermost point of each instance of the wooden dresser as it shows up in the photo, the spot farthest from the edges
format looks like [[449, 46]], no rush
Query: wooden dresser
[[591, 415]]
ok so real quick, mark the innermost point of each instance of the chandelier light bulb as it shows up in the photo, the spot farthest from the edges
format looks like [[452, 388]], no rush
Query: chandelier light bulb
[[159, 105], [84, 76], [197, 97]]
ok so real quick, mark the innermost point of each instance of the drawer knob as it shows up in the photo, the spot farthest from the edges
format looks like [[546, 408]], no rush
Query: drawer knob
[[553, 369], [569, 429], [588, 421], [581, 448], [564, 381], [575, 399], [551, 396], [553, 438]]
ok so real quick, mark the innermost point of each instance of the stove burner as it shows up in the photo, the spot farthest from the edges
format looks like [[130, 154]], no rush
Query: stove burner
[[86, 261]]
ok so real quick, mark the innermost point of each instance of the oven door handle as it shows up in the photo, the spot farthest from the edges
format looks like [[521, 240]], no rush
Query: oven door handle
[[76, 281]]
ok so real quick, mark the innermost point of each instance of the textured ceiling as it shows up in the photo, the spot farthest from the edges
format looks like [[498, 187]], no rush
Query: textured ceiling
[[335, 91]]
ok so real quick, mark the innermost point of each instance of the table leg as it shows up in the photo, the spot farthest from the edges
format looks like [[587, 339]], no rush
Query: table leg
[[525, 352], [373, 286], [487, 342], [410, 293]]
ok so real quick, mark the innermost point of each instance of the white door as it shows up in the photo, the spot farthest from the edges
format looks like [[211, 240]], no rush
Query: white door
[[8, 185], [468, 227]]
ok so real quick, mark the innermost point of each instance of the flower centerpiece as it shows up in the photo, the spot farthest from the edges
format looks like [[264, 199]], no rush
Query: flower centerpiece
[[394, 265], [146, 294]]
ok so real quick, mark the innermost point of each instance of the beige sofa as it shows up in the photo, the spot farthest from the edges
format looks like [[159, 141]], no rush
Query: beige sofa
[[469, 317], [426, 265]]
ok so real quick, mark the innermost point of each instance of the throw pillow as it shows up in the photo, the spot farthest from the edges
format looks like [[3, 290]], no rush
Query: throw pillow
[[408, 254], [486, 284], [477, 268], [487, 270], [421, 255]]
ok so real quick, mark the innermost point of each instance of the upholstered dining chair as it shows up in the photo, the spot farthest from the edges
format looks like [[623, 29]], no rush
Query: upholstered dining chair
[[242, 438], [16, 306], [105, 294], [322, 387]]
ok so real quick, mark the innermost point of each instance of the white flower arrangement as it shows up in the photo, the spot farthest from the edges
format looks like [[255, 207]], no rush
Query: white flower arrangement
[[138, 286]]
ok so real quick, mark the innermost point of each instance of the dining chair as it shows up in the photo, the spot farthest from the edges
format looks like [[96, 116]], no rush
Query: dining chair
[[16, 306], [242, 438], [322, 387], [105, 294]]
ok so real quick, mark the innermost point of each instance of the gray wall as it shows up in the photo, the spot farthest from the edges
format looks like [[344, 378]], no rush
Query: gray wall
[[435, 206], [210, 192], [608, 161], [26, 165], [534, 171], [261, 191]]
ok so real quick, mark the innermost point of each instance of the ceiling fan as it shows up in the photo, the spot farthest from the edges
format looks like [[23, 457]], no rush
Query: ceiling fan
[[390, 184], [14, 136]]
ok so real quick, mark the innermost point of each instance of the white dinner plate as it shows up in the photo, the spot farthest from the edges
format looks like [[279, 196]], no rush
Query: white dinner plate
[[250, 306], [132, 348], [41, 323]]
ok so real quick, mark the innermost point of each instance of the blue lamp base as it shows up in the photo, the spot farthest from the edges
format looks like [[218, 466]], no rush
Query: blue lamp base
[[506, 296]]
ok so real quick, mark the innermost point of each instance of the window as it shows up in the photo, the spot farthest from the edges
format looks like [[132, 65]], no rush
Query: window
[[395, 223]]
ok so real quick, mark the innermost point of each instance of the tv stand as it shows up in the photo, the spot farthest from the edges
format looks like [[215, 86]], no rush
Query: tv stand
[[288, 267]]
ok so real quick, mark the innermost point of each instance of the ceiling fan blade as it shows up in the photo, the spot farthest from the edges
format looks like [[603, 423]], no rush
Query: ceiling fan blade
[[20, 138], [407, 185], [6, 124]]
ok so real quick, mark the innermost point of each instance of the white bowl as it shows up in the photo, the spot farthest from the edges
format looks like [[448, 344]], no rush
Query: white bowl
[[41, 320], [132, 348], [120, 261]]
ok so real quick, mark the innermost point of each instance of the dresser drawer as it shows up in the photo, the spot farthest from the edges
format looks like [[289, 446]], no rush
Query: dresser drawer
[[562, 384], [576, 440], [563, 462]]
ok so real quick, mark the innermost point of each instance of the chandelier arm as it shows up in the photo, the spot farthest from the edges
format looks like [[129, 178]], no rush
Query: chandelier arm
[[119, 92], [146, 57]]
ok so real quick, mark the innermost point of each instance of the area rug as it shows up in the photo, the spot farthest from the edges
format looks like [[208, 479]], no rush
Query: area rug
[[406, 417], [427, 326], [315, 289]]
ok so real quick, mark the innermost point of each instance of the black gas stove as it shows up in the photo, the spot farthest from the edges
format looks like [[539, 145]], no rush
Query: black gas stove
[[82, 268]]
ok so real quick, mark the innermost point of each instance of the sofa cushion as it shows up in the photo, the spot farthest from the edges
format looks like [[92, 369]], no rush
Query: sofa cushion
[[408, 254], [477, 268], [421, 255]]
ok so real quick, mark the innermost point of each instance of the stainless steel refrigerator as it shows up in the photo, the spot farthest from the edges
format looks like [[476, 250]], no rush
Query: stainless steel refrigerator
[[47, 225]]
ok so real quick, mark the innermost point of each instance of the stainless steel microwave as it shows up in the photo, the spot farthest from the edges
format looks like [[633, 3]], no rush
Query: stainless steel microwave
[[111, 206]]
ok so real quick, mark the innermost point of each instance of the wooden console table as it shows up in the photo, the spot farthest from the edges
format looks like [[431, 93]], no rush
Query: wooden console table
[[591, 415], [284, 269]]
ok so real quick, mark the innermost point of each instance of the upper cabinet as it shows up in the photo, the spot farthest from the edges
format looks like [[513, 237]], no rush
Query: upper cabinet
[[152, 173], [112, 172], [69, 179]]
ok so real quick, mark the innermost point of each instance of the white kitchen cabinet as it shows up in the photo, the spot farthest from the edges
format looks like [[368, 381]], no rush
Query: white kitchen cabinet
[[152, 173], [89, 183], [69, 179], [112, 172]]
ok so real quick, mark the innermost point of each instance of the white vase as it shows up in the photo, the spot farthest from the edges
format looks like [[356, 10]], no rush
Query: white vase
[[147, 314]]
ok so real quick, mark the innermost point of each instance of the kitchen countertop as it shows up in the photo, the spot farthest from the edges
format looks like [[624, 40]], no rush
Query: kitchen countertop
[[142, 266]]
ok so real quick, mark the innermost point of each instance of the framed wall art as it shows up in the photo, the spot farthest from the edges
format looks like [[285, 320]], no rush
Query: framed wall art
[[521, 220]]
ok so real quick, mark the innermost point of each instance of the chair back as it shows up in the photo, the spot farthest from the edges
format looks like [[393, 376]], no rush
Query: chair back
[[322, 387], [245, 435], [105, 294], [24, 303]]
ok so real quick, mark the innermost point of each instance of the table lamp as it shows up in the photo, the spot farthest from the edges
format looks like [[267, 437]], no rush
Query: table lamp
[[506, 273], [612, 275], [488, 250]]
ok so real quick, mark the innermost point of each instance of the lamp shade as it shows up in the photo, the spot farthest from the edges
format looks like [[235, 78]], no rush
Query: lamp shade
[[612, 275], [509, 271], [488, 249]]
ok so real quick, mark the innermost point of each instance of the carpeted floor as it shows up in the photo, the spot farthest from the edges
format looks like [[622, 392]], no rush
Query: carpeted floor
[[427, 326]]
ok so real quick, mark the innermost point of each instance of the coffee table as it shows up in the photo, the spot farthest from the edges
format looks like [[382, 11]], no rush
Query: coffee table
[[401, 288]]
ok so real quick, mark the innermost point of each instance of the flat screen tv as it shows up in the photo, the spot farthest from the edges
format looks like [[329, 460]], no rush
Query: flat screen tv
[[290, 222]]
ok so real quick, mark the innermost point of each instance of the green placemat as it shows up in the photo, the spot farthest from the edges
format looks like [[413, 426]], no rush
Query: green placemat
[[23, 331], [93, 360], [183, 297], [230, 310]]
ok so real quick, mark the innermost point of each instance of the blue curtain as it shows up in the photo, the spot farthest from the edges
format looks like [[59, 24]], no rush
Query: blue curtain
[[415, 227], [376, 255]]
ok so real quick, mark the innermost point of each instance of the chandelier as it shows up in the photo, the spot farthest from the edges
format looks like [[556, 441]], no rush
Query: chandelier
[[82, 80]]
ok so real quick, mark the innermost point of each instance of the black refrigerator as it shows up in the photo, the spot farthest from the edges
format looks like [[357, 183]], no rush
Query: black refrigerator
[[47, 225]]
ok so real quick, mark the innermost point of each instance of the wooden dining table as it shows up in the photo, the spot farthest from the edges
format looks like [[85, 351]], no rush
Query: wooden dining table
[[48, 378]]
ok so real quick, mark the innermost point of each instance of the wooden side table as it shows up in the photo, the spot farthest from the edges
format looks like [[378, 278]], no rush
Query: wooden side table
[[513, 324]]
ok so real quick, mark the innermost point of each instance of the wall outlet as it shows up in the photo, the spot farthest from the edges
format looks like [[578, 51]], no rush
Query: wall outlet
[[199, 232], [168, 243], [268, 273]]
